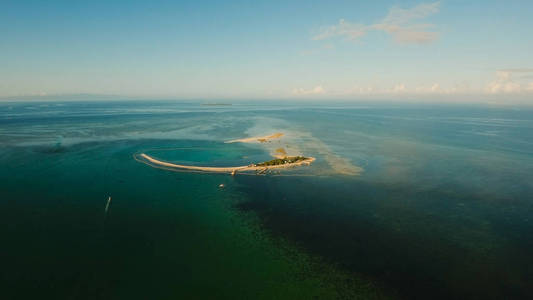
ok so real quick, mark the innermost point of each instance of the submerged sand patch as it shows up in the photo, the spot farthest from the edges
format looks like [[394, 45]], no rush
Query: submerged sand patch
[[257, 139], [280, 153]]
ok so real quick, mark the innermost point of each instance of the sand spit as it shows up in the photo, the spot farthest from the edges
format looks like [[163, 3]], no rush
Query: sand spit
[[260, 139], [231, 170]]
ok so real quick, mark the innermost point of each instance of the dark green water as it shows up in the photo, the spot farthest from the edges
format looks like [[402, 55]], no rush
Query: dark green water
[[442, 210], [167, 234]]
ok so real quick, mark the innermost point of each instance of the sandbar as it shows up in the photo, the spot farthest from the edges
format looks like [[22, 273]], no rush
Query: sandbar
[[233, 170], [260, 139]]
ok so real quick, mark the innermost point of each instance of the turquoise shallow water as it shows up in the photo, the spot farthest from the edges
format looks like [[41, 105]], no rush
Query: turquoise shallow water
[[442, 209]]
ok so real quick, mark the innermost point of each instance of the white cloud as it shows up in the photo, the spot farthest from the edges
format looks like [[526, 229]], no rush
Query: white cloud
[[403, 89], [400, 16], [399, 23], [399, 88], [422, 89], [346, 29], [433, 89], [517, 70], [317, 90], [505, 83]]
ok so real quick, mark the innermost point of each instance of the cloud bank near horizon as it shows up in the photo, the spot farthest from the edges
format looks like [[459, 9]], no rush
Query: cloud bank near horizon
[[505, 82]]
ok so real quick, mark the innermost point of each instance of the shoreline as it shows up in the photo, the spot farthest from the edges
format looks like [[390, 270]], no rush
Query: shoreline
[[231, 170]]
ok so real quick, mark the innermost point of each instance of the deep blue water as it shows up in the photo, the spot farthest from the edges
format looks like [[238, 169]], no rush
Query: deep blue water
[[403, 201]]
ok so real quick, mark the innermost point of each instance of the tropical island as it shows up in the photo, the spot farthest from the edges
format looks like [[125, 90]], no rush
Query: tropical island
[[277, 163], [282, 160]]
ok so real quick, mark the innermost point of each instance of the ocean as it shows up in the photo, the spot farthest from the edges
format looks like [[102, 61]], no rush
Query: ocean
[[404, 201]]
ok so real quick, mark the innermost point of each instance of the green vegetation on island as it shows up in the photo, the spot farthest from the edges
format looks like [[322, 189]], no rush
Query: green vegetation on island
[[282, 161]]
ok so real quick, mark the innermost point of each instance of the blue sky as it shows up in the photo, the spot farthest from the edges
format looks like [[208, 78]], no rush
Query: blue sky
[[273, 49]]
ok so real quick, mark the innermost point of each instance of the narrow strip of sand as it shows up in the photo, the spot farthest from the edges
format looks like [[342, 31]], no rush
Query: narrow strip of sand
[[260, 139], [251, 167]]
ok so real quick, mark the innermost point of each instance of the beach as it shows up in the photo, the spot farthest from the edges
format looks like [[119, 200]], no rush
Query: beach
[[252, 167]]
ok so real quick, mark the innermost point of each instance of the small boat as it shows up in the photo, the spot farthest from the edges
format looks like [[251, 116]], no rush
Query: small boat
[[107, 205]]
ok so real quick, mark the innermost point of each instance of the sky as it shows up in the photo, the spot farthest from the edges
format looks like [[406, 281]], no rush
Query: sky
[[446, 50]]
